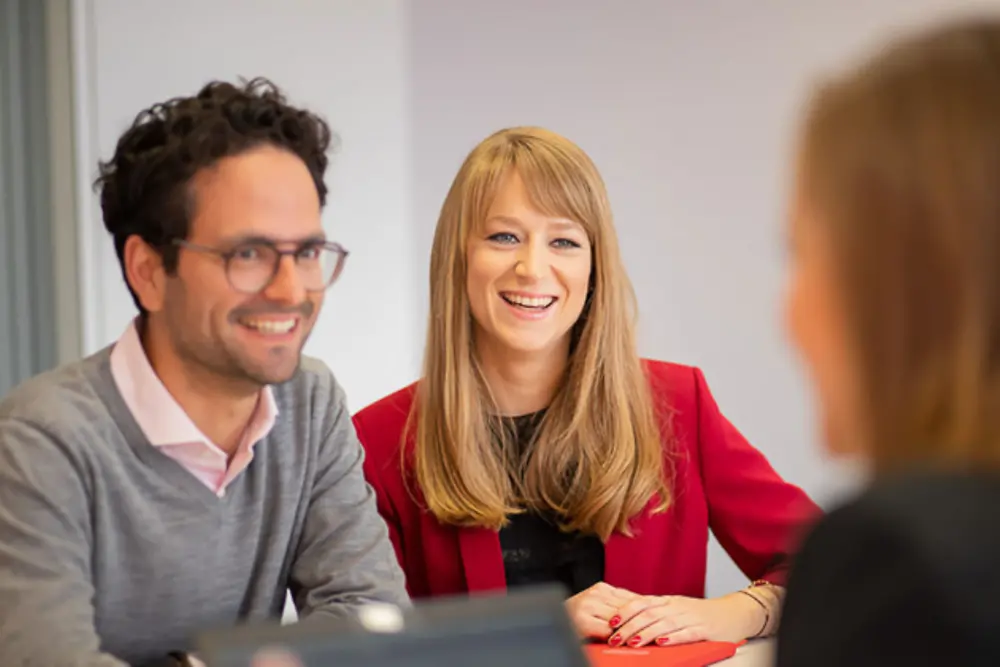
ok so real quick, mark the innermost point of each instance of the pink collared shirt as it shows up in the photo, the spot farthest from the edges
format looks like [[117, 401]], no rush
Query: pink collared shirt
[[168, 427]]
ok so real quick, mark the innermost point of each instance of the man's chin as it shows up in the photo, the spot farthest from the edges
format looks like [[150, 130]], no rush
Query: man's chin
[[273, 373], [280, 377]]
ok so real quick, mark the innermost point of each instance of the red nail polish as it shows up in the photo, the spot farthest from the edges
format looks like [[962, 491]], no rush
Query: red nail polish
[[615, 620], [615, 640], [635, 641], [662, 641]]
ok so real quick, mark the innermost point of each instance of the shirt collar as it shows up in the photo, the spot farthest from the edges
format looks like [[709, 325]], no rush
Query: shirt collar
[[161, 418]]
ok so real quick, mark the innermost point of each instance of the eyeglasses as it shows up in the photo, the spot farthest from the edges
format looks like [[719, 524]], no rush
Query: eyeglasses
[[251, 267]]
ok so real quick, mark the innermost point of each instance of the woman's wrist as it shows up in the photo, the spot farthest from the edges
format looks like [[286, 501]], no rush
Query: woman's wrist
[[769, 598], [749, 614]]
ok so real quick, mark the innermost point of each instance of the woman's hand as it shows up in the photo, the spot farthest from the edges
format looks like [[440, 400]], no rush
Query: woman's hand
[[593, 610], [675, 619]]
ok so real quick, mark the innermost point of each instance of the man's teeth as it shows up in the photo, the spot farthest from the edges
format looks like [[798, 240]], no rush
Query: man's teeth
[[271, 326], [529, 302]]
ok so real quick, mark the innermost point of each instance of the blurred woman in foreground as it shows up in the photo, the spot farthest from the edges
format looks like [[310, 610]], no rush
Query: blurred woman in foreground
[[894, 303]]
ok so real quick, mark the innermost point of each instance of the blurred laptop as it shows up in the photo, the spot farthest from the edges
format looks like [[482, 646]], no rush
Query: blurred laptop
[[525, 628]]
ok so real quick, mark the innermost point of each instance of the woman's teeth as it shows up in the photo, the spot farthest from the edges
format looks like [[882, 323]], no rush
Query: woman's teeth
[[539, 303]]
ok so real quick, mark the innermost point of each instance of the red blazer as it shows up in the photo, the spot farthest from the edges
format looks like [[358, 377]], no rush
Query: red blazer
[[720, 483]]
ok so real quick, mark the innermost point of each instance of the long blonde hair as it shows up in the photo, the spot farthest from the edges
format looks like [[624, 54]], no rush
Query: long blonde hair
[[598, 457], [901, 160]]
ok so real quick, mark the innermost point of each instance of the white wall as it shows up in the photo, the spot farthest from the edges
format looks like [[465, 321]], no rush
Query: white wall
[[687, 108], [344, 59]]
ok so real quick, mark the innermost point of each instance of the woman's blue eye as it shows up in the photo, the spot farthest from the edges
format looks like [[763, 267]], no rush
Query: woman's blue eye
[[503, 237], [565, 243]]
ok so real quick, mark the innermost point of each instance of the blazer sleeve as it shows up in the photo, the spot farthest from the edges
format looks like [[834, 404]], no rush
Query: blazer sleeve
[[860, 595], [753, 512]]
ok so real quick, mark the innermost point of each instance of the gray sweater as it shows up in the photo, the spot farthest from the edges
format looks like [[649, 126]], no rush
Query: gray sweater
[[111, 553]]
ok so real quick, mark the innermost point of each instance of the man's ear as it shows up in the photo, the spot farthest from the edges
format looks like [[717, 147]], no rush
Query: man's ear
[[145, 273]]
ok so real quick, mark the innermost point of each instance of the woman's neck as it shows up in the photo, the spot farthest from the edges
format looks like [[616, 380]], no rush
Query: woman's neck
[[522, 383]]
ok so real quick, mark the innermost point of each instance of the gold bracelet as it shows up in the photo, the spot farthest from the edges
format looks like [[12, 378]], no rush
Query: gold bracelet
[[767, 612]]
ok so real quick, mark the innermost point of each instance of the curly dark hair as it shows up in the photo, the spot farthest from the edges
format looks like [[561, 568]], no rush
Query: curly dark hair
[[144, 187]]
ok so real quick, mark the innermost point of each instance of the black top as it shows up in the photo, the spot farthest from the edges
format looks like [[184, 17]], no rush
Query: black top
[[904, 575], [535, 550]]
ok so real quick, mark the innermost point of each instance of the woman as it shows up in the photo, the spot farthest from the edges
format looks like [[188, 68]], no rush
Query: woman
[[894, 302], [539, 448]]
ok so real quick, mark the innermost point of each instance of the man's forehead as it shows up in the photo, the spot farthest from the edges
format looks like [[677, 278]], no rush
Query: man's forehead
[[264, 188]]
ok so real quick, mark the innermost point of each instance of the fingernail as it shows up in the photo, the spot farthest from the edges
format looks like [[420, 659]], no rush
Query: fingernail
[[635, 641], [615, 640], [662, 641], [615, 620]]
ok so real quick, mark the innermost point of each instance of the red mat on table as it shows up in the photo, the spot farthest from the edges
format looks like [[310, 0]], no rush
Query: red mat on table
[[697, 654]]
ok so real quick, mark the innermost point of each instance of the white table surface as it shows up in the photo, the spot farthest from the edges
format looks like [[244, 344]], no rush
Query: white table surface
[[756, 653]]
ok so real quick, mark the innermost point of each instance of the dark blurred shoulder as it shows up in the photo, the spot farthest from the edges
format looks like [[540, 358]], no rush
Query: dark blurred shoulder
[[904, 572]]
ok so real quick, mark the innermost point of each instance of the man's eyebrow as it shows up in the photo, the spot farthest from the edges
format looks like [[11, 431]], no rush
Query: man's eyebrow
[[253, 239]]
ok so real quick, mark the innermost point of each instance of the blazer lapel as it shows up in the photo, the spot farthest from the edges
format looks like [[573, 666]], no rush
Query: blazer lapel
[[482, 559]]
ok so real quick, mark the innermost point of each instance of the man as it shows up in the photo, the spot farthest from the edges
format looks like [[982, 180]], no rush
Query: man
[[188, 475]]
